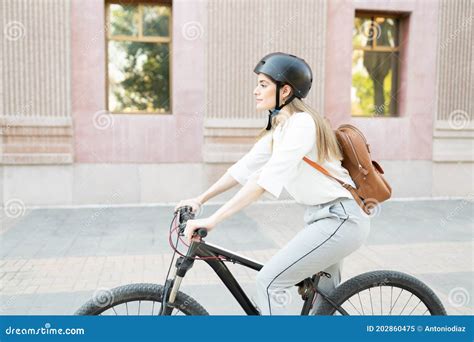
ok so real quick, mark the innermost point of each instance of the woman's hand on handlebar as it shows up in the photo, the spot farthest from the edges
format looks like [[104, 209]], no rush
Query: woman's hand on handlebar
[[192, 225], [192, 202]]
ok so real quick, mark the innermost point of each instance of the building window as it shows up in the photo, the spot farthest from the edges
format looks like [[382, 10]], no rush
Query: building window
[[375, 65], [138, 57]]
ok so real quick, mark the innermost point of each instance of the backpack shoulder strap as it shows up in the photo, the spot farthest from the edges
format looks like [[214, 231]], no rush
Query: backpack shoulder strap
[[322, 169], [349, 187]]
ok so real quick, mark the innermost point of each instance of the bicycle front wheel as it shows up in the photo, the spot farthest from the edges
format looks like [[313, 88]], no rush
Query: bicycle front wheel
[[383, 293], [139, 299]]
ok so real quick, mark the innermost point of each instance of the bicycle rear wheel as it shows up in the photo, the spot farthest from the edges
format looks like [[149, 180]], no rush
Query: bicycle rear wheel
[[139, 299], [383, 293]]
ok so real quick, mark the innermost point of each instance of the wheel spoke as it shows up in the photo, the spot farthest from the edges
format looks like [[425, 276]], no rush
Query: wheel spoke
[[391, 294], [372, 307], [408, 301], [415, 307], [141, 307], [361, 306], [401, 290], [381, 307], [406, 304], [354, 306]]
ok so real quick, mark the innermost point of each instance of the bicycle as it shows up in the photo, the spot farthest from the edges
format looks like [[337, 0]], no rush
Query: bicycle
[[139, 298]]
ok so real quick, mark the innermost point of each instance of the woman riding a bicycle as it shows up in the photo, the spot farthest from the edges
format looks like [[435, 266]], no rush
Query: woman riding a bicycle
[[335, 226]]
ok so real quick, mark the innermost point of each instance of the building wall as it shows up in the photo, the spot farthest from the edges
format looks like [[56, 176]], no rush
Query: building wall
[[130, 138], [454, 124], [241, 32], [453, 137], [52, 98], [409, 136], [35, 81]]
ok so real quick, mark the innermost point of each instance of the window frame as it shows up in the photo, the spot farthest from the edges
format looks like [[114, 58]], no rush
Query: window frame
[[138, 38], [375, 48]]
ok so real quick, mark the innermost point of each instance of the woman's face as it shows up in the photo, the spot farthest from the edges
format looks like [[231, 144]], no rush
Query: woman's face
[[265, 93]]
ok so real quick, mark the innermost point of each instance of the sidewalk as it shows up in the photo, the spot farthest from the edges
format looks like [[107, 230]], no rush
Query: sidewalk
[[52, 260]]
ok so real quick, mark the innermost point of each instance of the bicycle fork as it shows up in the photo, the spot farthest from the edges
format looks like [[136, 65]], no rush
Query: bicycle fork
[[182, 266]]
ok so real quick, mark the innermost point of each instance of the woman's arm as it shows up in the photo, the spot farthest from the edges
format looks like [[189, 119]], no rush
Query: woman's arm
[[224, 183], [249, 193], [237, 173]]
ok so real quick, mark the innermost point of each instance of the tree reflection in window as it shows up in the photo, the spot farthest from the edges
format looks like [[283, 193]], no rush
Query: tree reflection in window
[[375, 65], [138, 58]]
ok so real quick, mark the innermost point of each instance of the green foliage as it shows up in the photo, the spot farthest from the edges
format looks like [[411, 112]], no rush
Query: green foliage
[[145, 84], [139, 80]]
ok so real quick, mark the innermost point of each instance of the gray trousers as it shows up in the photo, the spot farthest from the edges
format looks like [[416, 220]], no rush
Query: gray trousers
[[332, 231]]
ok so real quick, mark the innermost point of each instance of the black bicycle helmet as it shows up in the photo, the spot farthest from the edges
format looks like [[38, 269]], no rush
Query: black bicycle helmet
[[283, 69]]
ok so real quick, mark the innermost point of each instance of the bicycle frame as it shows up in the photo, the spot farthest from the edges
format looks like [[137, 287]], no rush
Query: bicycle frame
[[208, 251]]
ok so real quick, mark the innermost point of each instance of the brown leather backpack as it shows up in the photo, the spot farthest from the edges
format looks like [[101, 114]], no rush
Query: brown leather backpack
[[371, 187]]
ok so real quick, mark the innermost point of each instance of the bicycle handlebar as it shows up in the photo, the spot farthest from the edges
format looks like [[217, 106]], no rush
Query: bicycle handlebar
[[186, 213]]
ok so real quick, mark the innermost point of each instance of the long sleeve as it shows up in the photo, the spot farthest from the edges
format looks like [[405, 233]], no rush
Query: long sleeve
[[297, 139], [253, 160]]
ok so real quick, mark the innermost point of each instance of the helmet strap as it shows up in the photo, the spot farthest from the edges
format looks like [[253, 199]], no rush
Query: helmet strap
[[276, 110]]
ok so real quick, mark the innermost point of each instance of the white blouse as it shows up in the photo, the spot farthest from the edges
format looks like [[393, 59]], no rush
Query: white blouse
[[285, 168]]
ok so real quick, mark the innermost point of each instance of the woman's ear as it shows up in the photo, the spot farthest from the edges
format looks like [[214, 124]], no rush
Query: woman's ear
[[285, 91]]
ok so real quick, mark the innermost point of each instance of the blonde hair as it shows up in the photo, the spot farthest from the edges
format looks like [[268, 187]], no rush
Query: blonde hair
[[326, 143]]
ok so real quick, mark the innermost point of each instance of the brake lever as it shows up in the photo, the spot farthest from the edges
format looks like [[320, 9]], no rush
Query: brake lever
[[185, 213]]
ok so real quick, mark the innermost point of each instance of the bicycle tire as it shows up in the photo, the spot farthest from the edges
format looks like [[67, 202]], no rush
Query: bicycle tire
[[139, 292], [373, 279]]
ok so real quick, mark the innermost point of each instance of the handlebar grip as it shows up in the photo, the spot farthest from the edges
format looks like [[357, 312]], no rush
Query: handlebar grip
[[202, 232], [186, 213]]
